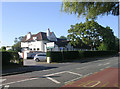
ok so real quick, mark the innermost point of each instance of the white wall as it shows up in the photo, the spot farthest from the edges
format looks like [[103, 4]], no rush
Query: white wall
[[34, 45], [24, 44]]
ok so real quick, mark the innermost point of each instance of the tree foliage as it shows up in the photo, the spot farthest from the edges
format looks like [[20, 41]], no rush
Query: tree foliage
[[17, 45], [91, 34], [3, 48], [63, 37], [90, 9]]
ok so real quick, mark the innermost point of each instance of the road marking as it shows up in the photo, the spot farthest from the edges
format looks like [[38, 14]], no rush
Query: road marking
[[102, 69], [55, 73], [72, 80], [107, 67], [82, 83], [1, 80], [53, 80], [74, 73], [48, 70], [48, 76], [87, 74], [19, 81], [81, 68], [106, 63], [97, 82], [6, 86], [105, 84]]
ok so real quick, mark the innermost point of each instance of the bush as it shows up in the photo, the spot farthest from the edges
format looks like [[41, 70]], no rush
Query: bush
[[72, 55], [103, 47], [55, 56], [8, 56]]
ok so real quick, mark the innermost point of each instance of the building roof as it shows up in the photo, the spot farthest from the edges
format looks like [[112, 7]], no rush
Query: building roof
[[43, 36], [61, 42], [39, 36]]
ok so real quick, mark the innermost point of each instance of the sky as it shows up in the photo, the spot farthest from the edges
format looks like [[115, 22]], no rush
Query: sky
[[19, 18]]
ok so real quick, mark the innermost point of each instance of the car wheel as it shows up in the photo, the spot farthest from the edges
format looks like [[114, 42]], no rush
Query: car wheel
[[37, 60]]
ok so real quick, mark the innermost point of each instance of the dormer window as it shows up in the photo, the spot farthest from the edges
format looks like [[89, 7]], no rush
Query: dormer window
[[34, 38]]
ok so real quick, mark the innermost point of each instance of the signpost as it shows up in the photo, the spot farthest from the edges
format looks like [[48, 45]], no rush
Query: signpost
[[50, 45]]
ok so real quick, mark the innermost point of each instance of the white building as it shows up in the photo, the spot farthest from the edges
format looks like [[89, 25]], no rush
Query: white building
[[38, 43]]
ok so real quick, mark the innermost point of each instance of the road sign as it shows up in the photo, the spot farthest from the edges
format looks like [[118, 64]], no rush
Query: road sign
[[61, 48], [50, 45]]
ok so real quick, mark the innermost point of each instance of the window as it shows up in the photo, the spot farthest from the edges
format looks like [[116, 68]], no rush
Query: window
[[41, 55], [34, 38], [37, 48], [34, 48], [30, 49]]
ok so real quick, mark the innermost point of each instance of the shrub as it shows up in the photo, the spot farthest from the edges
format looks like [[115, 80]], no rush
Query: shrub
[[8, 56], [72, 55], [55, 56], [69, 55]]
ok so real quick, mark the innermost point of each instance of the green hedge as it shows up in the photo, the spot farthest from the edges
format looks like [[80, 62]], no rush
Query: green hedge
[[55, 56], [7, 56], [87, 54], [72, 55]]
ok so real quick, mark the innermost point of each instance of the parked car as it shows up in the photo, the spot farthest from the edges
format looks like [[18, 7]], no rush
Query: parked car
[[31, 56], [40, 57]]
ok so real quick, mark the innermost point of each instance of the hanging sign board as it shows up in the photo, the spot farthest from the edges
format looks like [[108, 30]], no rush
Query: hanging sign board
[[50, 45]]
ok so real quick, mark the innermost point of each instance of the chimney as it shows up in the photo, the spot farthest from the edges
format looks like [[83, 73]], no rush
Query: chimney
[[48, 33], [28, 35]]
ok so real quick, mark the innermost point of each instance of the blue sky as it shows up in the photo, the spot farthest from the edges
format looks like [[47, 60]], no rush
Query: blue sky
[[19, 18]]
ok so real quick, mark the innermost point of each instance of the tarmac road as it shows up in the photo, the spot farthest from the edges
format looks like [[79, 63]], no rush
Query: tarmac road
[[66, 73]]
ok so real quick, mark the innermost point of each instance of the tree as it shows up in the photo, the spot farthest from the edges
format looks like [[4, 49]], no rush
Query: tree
[[102, 47], [17, 45], [63, 37], [3, 48], [86, 32], [93, 35], [90, 9], [116, 44]]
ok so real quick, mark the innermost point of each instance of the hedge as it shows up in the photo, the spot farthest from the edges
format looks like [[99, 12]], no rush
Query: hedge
[[72, 55], [55, 56], [7, 56]]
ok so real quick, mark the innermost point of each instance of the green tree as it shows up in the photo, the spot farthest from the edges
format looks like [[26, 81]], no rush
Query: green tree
[[93, 35], [108, 38], [3, 48], [90, 9], [17, 45], [116, 44], [86, 32], [63, 37], [103, 47]]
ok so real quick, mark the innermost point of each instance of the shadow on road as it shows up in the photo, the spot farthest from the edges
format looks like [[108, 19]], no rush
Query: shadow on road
[[25, 69], [84, 60]]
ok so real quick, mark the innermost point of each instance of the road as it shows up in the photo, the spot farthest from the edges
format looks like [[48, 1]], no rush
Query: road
[[61, 74]]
